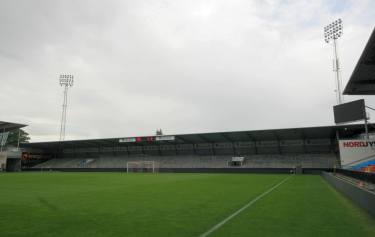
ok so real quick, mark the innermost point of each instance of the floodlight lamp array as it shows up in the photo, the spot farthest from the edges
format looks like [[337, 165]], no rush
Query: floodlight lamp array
[[66, 80], [333, 30]]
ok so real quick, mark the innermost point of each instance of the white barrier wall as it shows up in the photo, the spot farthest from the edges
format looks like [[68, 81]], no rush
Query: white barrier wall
[[354, 152]]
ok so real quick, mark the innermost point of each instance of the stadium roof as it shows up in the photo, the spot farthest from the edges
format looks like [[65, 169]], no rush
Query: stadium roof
[[326, 132], [362, 80], [7, 126]]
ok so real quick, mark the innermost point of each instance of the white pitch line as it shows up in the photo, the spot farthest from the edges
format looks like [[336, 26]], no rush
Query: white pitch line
[[221, 223]]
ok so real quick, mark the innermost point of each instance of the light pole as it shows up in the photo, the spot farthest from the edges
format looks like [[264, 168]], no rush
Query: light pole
[[332, 32], [66, 81]]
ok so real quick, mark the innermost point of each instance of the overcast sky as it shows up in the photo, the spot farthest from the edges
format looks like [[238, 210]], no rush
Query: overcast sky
[[183, 66]]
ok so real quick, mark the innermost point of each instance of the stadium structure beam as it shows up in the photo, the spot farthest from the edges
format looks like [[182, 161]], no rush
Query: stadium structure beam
[[107, 142], [231, 141], [143, 149], [114, 150], [99, 149], [124, 145], [127, 149], [226, 137], [175, 148], [74, 151], [159, 150], [203, 138], [253, 139], [169, 142], [206, 141], [104, 143], [303, 137], [185, 140], [278, 141], [194, 149], [213, 150]]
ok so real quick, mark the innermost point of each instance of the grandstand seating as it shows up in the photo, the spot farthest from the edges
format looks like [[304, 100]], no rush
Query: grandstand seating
[[324, 160]]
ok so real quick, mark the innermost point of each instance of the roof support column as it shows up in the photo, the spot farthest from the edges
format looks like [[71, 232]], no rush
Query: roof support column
[[114, 149], [175, 148], [127, 150], [255, 143], [278, 142], [194, 150]]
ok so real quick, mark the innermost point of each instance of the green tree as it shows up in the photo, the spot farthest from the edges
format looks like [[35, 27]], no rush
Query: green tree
[[13, 137]]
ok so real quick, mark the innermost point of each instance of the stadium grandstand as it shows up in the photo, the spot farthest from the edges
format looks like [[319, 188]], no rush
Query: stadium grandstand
[[167, 57], [9, 158], [276, 150], [362, 82]]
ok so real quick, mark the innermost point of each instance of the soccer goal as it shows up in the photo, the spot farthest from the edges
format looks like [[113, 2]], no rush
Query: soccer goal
[[142, 166]]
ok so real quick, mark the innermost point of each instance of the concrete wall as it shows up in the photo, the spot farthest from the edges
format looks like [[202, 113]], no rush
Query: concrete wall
[[359, 196]]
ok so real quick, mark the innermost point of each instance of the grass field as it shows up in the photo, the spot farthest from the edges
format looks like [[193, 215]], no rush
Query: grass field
[[169, 205]]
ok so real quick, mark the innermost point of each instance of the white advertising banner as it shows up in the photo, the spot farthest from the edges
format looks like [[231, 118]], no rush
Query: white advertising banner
[[164, 138], [127, 139], [354, 152]]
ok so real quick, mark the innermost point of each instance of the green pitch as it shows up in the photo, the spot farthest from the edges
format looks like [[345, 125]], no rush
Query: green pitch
[[172, 205]]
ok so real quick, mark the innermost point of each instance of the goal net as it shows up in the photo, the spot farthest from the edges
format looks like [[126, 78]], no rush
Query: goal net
[[142, 166]]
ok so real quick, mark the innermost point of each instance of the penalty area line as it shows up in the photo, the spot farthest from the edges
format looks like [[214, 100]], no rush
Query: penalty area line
[[234, 214]]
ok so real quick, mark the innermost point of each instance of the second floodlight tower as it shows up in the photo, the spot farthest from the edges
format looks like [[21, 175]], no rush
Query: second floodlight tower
[[333, 32], [66, 81]]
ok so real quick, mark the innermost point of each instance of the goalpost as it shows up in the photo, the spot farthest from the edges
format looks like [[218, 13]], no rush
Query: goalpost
[[141, 166]]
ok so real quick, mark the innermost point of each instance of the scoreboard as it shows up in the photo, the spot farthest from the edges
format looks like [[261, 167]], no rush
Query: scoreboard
[[146, 139]]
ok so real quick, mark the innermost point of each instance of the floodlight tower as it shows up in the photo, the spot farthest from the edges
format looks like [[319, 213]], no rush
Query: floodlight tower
[[332, 32], [66, 81]]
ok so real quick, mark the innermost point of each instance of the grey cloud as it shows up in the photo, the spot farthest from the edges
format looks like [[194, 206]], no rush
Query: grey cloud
[[183, 66]]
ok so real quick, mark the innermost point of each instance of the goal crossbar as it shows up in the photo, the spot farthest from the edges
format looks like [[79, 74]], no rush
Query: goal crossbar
[[141, 166]]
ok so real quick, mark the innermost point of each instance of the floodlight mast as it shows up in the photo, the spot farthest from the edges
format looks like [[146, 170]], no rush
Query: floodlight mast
[[333, 32], [66, 81]]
